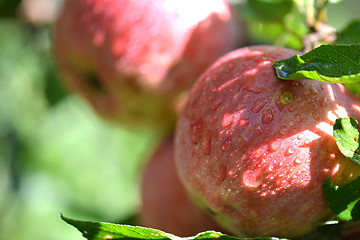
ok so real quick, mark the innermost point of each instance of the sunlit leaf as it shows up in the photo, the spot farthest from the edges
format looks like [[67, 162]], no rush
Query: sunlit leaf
[[327, 63], [346, 134], [103, 231], [343, 200]]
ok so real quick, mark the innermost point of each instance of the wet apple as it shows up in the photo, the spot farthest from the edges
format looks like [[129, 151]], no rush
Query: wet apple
[[256, 149]]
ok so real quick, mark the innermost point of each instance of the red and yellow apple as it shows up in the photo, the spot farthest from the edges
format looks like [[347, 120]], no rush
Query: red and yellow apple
[[166, 204], [256, 149], [133, 60]]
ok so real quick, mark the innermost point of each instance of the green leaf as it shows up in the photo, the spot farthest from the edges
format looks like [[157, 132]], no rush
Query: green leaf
[[102, 231], [266, 11], [344, 200], [350, 34], [346, 135], [327, 63]]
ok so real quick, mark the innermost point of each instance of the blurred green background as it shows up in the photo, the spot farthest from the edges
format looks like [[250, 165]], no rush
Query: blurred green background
[[56, 155]]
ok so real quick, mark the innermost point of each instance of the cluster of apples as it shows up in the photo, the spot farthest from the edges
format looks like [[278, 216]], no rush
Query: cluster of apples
[[250, 151]]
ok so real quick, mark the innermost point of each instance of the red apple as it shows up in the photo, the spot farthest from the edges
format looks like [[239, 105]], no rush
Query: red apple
[[256, 149], [133, 59], [166, 204]]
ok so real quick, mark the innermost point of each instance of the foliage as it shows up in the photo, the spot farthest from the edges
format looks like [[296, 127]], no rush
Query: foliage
[[57, 155]]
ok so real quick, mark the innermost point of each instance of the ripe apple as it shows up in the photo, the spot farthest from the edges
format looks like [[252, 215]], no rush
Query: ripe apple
[[166, 204], [133, 60], [256, 149]]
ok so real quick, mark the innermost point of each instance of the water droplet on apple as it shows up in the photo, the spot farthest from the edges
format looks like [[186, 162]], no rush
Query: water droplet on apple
[[300, 136], [243, 122], [216, 103], [196, 131], [313, 90], [283, 130], [291, 109], [258, 105], [323, 102], [279, 104], [241, 106], [275, 146], [258, 129], [289, 151], [222, 172], [227, 119], [226, 145], [253, 178], [267, 116], [206, 143], [298, 117]]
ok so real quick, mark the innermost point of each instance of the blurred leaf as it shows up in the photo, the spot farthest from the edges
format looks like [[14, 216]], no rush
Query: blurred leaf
[[346, 134], [54, 90], [274, 22], [327, 63], [9, 7], [350, 34], [84, 154], [101, 231], [266, 11], [343, 200]]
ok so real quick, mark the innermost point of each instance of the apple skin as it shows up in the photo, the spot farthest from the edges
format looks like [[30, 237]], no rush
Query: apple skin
[[256, 149], [166, 204], [133, 60]]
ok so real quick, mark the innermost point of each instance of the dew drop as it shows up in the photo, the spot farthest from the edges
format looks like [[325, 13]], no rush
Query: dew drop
[[258, 105], [283, 130], [222, 172], [313, 90], [253, 178], [196, 131], [227, 119], [243, 122], [323, 102], [291, 109], [289, 151], [300, 136], [241, 106], [267, 116], [273, 165], [298, 117], [279, 104], [258, 129], [275, 146], [215, 104], [226, 145], [206, 143]]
